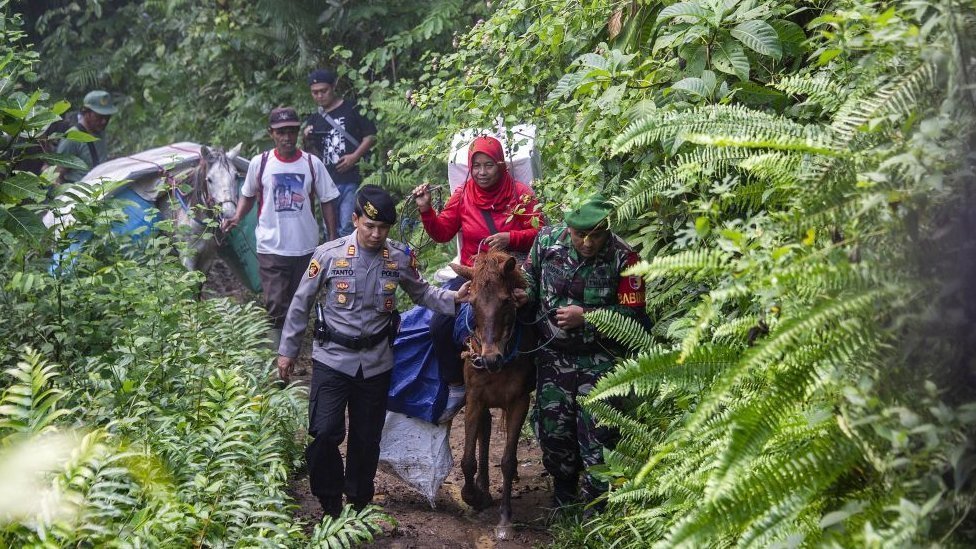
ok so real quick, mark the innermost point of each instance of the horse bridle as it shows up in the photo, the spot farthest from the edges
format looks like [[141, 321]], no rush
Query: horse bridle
[[476, 358], [201, 190]]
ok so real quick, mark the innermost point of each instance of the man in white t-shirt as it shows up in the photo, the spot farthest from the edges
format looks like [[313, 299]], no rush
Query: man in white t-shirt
[[283, 182]]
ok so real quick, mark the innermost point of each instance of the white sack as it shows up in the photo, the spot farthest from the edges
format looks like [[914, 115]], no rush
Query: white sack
[[418, 452]]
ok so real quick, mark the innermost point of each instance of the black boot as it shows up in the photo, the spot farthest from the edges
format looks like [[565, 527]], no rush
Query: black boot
[[331, 506], [564, 490]]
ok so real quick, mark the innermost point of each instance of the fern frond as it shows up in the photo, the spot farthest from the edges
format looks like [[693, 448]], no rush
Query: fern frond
[[900, 96], [817, 88], [807, 468], [788, 335], [623, 329], [350, 528], [673, 179], [735, 330], [693, 264], [642, 374], [30, 405], [727, 120], [779, 168]]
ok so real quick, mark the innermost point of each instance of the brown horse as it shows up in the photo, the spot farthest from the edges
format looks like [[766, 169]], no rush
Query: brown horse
[[492, 379]]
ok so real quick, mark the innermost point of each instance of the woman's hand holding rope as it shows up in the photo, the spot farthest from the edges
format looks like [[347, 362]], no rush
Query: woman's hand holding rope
[[421, 195]]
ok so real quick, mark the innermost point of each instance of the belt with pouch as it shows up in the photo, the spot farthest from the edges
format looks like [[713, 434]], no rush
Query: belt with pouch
[[323, 334]]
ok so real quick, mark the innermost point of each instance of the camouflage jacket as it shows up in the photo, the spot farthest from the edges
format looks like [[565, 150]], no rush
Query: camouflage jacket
[[558, 276]]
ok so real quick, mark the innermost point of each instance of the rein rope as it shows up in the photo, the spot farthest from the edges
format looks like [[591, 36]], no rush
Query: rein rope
[[410, 218], [514, 352]]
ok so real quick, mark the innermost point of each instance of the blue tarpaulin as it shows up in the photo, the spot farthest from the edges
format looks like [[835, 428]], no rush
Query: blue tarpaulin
[[416, 387]]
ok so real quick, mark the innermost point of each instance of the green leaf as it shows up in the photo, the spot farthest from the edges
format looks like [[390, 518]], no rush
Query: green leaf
[[60, 107], [682, 9], [75, 134], [729, 57], [694, 86], [759, 37], [694, 54], [20, 186], [791, 37], [22, 223], [63, 160]]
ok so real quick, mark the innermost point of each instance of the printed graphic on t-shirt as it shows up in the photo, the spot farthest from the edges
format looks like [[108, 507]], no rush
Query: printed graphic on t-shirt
[[288, 191], [333, 144]]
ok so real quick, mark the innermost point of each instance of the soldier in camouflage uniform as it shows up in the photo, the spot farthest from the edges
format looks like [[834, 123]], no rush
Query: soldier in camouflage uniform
[[575, 268], [354, 280]]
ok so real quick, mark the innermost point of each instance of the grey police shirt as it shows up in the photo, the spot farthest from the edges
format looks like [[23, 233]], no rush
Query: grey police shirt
[[357, 289]]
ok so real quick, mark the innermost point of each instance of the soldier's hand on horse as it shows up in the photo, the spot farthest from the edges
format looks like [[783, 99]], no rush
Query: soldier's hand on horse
[[569, 317], [499, 241], [521, 297], [284, 367], [463, 294], [421, 195], [346, 162]]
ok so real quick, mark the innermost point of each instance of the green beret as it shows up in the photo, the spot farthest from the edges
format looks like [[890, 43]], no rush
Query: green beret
[[589, 214]]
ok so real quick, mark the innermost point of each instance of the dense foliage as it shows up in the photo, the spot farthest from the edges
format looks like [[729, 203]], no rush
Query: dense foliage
[[797, 181], [797, 177], [132, 413]]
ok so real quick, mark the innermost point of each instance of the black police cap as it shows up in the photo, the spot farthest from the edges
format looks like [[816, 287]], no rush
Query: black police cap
[[375, 203]]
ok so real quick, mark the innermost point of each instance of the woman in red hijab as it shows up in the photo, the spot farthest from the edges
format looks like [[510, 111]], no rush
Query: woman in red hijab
[[491, 210]]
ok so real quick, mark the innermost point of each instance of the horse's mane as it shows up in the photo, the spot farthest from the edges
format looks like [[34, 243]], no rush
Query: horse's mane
[[487, 267]]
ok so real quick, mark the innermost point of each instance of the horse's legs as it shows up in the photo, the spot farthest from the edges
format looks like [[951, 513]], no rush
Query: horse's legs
[[484, 441], [515, 417], [472, 421]]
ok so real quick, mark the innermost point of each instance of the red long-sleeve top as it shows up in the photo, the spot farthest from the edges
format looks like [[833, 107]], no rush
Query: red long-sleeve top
[[514, 218]]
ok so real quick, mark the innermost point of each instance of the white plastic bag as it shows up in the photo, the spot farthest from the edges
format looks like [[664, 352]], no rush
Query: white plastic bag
[[418, 452]]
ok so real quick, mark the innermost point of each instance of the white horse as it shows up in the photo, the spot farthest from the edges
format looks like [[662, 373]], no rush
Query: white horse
[[212, 198], [157, 179]]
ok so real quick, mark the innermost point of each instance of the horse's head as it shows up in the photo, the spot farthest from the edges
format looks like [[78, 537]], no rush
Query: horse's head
[[220, 176], [494, 278]]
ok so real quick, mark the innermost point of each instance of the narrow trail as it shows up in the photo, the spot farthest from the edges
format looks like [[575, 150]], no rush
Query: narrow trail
[[452, 523]]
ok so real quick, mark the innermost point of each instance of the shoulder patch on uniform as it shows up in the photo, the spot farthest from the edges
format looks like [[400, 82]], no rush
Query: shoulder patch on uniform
[[314, 269], [631, 290], [332, 244]]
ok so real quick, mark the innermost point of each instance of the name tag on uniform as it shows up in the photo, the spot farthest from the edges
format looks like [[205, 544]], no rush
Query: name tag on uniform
[[342, 272]]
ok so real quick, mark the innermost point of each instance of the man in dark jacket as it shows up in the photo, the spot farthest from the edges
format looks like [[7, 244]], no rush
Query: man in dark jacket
[[340, 135]]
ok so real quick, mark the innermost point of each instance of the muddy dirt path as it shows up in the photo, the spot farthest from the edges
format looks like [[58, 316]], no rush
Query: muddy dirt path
[[452, 523]]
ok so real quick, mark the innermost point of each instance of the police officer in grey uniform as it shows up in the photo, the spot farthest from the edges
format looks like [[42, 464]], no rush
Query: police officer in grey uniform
[[355, 280]]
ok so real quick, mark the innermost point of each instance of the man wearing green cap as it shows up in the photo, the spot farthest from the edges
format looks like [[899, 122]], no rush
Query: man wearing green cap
[[96, 110], [574, 268]]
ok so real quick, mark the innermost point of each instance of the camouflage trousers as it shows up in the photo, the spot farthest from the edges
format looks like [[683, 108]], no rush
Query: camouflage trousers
[[569, 437]]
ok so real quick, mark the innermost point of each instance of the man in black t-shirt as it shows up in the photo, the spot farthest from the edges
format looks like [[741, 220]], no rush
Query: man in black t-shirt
[[340, 135]]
